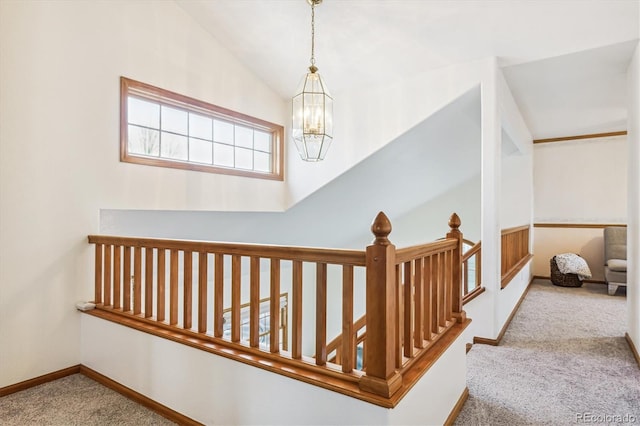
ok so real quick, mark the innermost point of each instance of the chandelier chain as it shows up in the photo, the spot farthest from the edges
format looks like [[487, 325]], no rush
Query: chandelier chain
[[313, 33]]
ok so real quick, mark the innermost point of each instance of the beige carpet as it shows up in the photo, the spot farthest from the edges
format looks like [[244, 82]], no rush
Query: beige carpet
[[563, 360], [74, 400]]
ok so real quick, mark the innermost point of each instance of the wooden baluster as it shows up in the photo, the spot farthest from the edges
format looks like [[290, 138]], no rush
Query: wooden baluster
[[274, 307], [284, 320], [435, 293], [408, 309], [364, 354], [126, 278], [400, 317], [347, 355], [218, 297], [418, 333], [465, 276], [511, 251], [449, 283], [442, 289], [187, 305], [504, 258], [254, 303], [98, 275], [296, 314], [236, 276], [428, 298], [503, 255], [148, 282], [117, 277], [478, 269], [321, 313], [202, 292], [160, 306], [456, 299], [137, 281], [173, 287], [381, 377], [107, 275]]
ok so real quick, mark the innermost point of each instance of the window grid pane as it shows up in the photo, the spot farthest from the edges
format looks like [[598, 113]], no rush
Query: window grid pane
[[200, 151]]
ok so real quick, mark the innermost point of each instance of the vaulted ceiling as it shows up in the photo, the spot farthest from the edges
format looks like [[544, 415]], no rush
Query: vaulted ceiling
[[565, 60]]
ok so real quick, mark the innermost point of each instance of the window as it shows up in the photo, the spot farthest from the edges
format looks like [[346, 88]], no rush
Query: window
[[161, 128]]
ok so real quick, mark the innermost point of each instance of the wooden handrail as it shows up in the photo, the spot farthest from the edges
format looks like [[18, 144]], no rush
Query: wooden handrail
[[304, 254], [514, 229], [177, 289], [472, 251], [408, 253]]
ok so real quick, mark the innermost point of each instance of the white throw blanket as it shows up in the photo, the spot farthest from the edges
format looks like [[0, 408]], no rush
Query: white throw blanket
[[569, 263]]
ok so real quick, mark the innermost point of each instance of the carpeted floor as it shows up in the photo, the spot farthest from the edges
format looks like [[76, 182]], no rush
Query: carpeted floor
[[74, 400], [563, 360]]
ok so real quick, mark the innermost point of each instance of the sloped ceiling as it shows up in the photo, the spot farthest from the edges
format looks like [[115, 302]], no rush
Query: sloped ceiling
[[585, 89], [547, 45]]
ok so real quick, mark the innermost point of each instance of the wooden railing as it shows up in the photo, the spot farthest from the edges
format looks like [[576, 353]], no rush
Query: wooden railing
[[181, 290], [472, 271], [515, 252]]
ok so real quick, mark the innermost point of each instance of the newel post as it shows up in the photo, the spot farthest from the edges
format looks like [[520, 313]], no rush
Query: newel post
[[381, 377], [456, 299]]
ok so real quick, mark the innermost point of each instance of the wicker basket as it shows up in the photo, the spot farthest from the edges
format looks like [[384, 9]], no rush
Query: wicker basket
[[563, 280]]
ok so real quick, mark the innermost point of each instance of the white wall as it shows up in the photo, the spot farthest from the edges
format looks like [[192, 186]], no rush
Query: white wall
[[59, 157], [429, 221], [506, 201], [222, 391], [581, 181], [516, 190], [633, 208]]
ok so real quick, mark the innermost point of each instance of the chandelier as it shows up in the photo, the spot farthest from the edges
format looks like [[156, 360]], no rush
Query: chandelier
[[312, 128]]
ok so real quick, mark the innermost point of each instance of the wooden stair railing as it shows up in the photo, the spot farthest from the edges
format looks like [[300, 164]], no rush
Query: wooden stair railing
[[515, 252], [414, 297], [183, 290]]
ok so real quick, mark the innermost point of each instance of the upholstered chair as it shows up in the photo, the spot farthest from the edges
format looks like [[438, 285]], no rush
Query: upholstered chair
[[615, 257]]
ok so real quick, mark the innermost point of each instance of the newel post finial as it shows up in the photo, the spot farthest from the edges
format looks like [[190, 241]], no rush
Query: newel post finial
[[454, 222], [381, 228]]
